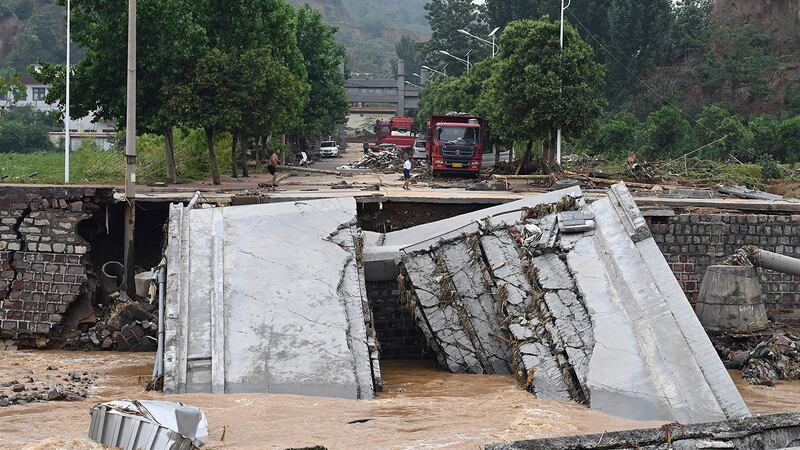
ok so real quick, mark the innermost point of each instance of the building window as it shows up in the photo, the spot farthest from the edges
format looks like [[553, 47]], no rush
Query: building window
[[38, 94]]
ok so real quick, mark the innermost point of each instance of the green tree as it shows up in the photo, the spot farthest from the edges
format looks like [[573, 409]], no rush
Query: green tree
[[765, 135], [789, 139], [689, 32], [535, 88], [327, 105], [791, 96], [737, 61], [446, 17], [12, 89], [638, 35], [666, 134], [210, 100], [24, 130], [614, 137], [406, 50]]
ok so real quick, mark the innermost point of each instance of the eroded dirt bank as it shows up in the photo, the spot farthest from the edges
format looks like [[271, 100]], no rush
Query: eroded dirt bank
[[421, 408]]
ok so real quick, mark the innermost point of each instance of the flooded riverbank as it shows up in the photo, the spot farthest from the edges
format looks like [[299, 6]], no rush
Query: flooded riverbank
[[421, 407]]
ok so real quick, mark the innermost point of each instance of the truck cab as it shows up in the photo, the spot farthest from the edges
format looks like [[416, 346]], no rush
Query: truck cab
[[455, 142]]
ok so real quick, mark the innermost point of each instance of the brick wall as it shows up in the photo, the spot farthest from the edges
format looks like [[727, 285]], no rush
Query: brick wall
[[43, 259], [398, 334], [692, 242]]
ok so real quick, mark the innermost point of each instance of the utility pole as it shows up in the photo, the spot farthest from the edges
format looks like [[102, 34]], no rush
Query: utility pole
[[558, 135], [66, 113], [130, 151]]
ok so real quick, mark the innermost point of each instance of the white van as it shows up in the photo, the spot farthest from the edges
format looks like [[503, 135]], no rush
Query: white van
[[419, 149]]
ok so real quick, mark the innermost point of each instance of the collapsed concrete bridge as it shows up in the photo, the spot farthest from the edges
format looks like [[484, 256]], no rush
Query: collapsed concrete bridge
[[574, 299]]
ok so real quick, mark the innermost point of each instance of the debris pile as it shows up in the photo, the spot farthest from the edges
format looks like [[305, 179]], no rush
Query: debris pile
[[763, 358], [388, 161], [55, 385], [124, 326], [576, 300]]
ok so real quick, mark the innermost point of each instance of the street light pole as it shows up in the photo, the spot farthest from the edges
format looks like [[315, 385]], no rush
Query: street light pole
[[130, 151], [558, 134], [491, 35], [465, 61], [439, 72], [66, 112]]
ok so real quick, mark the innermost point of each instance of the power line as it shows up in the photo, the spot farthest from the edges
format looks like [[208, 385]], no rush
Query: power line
[[652, 89]]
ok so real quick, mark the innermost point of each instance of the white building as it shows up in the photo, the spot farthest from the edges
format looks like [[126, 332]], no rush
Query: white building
[[103, 133]]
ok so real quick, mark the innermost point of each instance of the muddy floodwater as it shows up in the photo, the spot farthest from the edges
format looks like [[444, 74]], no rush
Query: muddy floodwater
[[421, 408]]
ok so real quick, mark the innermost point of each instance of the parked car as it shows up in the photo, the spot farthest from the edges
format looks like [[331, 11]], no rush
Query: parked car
[[419, 149], [329, 149]]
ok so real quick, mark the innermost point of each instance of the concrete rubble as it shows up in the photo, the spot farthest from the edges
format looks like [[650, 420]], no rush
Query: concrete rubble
[[268, 298], [774, 431], [574, 299]]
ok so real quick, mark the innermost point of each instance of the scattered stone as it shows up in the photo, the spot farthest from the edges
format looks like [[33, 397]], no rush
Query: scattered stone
[[18, 388], [9, 383]]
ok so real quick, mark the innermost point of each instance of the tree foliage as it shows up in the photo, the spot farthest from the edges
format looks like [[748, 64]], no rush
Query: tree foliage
[[638, 34], [323, 58], [737, 61], [446, 17], [24, 130], [534, 88], [666, 134], [406, 50], [789, 138], [12, 88]]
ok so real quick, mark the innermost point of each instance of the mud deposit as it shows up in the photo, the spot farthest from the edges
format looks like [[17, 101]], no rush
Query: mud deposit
[[422, 407]]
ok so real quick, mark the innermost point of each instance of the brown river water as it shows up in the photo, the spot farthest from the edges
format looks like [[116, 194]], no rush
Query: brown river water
[[421, 408]]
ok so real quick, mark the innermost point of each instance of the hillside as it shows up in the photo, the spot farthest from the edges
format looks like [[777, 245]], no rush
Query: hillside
[[369, 29]]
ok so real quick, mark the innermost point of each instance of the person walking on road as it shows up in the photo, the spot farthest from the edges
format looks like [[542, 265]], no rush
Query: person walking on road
[[407, 173], [303, 159], [272, 168], [366, 146]]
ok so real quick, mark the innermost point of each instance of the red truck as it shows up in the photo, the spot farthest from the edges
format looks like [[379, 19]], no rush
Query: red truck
[[396, 131], [456, 142]]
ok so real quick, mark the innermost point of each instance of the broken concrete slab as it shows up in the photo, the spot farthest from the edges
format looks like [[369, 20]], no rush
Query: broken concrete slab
[[773, 431], [267, 298], [594, 316]]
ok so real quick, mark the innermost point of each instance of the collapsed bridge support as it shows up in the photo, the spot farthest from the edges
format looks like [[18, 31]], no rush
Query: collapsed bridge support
[[575, 299]]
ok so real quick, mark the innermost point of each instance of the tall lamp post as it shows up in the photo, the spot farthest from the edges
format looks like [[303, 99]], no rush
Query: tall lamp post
[[558, 134], [130, 151], [66, 112], [492, 35], [465, 61]]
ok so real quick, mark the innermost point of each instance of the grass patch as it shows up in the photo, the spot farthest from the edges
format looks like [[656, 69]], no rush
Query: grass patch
[[89, 164]]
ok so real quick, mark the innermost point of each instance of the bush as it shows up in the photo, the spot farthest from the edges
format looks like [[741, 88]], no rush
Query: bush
[[615, 138], [666, 134], [770, 168], [765, 136], [24, 130], [734, 138], [789, 139]]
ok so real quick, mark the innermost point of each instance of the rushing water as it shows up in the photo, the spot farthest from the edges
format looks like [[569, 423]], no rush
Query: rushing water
[[421, 407]]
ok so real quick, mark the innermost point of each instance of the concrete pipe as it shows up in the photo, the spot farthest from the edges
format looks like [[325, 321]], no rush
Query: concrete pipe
[[776, 262], [111, 276], [730, 300]]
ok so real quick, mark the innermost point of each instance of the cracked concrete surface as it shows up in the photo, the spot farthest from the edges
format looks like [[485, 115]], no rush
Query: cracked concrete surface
[[584, 312], [268, 298]]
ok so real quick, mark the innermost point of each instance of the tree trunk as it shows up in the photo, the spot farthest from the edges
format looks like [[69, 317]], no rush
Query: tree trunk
[[212, 156], [496, 154], [259, 146], [169, 142], [234, 173], [243, 143], [549, 153]]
